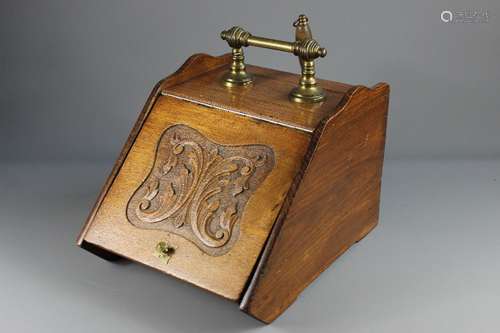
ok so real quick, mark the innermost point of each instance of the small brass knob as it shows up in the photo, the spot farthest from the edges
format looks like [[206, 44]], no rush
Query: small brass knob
[[164, 250]]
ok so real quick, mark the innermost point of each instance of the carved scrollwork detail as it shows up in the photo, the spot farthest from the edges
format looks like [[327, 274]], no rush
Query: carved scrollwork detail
[[198, 189]]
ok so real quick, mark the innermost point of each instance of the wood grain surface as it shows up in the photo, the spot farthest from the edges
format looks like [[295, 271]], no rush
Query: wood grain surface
[[266, 98], [333, 203]]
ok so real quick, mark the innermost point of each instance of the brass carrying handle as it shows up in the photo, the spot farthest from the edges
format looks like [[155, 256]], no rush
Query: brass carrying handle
[[307, 49], [304, 47]]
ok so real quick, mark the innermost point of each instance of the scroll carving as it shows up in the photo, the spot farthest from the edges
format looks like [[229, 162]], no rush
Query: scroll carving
[[198, 189]]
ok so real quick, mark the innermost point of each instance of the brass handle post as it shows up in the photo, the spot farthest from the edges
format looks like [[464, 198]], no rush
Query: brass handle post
[[306, 48]]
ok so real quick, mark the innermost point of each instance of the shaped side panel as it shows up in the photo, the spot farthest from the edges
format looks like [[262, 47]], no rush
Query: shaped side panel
[[333, 203]]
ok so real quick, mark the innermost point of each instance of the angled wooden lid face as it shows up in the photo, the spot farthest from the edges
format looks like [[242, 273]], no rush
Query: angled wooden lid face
[[209, 184], [202, 178]]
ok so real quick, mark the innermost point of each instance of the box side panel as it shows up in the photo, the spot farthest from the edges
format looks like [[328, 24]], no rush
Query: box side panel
[[335, 205]]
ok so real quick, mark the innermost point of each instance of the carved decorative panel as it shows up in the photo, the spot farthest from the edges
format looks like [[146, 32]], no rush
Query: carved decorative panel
[[198, 189]]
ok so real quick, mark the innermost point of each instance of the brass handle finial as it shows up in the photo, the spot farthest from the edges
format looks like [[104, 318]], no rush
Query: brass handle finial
[[302, 20], [306, 48], [236, 37]]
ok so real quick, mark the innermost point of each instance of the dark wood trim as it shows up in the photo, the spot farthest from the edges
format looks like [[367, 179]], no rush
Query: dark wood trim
[[100, 252]]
